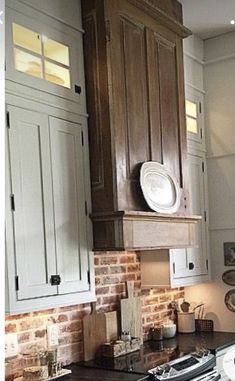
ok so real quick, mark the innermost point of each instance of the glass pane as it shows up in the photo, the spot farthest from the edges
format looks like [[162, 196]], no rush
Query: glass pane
[[191, 109], [26, 38], [191, 125], [57, 74], [56, 51], [27, 63]]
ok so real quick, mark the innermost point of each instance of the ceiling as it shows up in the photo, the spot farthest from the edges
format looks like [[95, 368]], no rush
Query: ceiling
[[208, 18]]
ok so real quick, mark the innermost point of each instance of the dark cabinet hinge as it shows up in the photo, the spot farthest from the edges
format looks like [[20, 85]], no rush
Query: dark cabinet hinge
[[201, 132], [88, 276], [17, 282], [86, 212], [174, 267], [12, 198], [207, 265], [205, 216], [200, 107], [82, 138], [8, 119], [203, 167]]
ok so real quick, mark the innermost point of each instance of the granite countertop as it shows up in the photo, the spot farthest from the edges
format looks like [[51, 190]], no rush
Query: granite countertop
[[152, 353]]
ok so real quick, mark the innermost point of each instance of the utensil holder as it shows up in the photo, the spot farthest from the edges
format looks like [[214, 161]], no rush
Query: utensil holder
[[204, 325], [186, 322]]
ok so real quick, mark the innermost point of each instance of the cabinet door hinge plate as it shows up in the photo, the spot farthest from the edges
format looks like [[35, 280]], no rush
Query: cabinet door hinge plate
[[205, 216], [8, 119], [207, 265], [88, 276], [12, 199], [174, 267], [203, 167], [86, 212], [200, 107], [17, 282], [82, 138]]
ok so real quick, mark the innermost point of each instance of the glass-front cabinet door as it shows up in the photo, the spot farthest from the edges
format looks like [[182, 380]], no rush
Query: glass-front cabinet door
[[44, 56], [194, 118]]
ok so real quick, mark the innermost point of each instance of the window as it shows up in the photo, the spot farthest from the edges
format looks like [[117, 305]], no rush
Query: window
[[191, 117], [40, 56]]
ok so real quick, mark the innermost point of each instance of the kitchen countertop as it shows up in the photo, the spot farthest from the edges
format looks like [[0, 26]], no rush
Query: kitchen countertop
[[152, 353]]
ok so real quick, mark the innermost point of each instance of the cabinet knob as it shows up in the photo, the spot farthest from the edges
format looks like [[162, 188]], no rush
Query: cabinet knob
[[55, 280], [191, 265]]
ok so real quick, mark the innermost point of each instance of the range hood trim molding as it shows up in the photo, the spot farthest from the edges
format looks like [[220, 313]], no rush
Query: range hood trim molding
[[133, 230]]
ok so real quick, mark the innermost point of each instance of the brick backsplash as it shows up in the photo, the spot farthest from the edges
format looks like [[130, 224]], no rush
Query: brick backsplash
[[112, 270]]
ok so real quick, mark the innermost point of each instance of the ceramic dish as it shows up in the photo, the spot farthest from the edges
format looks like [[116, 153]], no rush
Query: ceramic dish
[[229, 277], [230, 300], [160, 189]]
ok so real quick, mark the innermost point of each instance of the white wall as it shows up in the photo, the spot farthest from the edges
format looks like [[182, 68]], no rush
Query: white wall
[[218, 66]]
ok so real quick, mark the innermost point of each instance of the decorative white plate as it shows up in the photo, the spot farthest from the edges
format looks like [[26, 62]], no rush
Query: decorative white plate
[[230, 300], [63, 373], [159, 187]]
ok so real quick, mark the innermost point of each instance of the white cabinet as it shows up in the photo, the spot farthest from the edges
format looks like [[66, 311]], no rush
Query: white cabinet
[[191, 265], [186, 266], [69, 205], [47, 202], [194, 106], [31, 199], [44, 56]]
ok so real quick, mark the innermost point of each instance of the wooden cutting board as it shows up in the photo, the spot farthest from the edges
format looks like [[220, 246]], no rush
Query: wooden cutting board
[[94, 330], [131, 314], [98, 329]]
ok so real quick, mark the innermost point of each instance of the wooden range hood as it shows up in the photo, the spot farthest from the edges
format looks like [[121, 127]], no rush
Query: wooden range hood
[[136, 105]]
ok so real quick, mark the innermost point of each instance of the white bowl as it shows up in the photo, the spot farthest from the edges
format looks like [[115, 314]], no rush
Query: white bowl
[[169, 330]]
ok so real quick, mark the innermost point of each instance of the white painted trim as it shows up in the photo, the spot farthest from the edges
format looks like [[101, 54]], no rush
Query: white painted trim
[[32, 12], [195, 87], [19, 94], [212, 228], [219, 59], [216, 157], [194, 58]]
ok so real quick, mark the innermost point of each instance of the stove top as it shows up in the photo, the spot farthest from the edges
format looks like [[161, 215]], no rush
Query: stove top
[[151, 354], [185, 368]]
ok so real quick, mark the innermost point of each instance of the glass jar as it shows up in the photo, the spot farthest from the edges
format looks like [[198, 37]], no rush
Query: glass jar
[[34, 366]]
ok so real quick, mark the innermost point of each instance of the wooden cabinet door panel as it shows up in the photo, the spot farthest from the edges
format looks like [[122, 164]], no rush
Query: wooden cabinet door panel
[[29, 152], [69, 205], [135, 98], [166, 56]]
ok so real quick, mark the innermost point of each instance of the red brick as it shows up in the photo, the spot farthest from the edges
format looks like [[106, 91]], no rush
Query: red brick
[[31, 323], [110, 280], [110, 299], [61, 318], [9, 328], [96, 261], [23, 337], [117, 269], [40, 333], [127, 259], [112, 260], [117, 289], [133, 268], [101, 270], [102, 290]]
